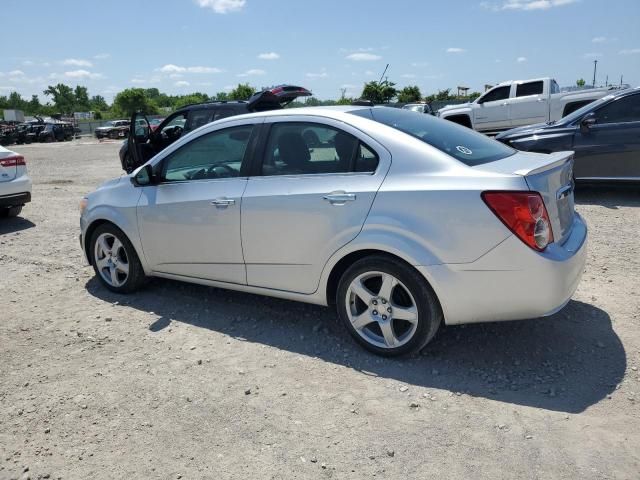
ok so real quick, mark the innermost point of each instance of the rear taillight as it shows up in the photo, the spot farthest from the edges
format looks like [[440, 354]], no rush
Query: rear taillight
[[12, 161], [524, 214]]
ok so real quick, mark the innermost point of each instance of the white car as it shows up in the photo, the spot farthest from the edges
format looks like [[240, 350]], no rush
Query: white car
[[518, 103], [15, 184]]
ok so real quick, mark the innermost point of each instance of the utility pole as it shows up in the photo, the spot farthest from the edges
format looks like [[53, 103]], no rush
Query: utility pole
[[385, 71], [606, 82], [620, 80], [595, 66]]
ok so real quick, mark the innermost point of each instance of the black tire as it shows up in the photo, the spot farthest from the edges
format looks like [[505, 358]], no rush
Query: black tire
[[135, 277], [429, 313], [11, 211]]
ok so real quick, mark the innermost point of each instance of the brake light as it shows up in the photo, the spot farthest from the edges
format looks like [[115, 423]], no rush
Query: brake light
[[12, 161], [525, 214]]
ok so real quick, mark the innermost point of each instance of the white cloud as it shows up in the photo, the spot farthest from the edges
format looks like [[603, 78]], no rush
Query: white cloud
[[8, 88], [629, 51], [252, 72], [521, 59], [28, 63], [363, 57], [77, 62], [138, 80], [269, 56], [408, 75], [82, 74], [419, 64], [369, 72], [176, 75], [102, 56], [222, 6], [317, 75], [455, 50], [16, 73], [599, 39], [526, 5], [204, 84], [592, 55], [171, 68], [182, 83]]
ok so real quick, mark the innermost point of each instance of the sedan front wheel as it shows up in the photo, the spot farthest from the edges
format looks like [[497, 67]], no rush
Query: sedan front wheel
[[387, 306]]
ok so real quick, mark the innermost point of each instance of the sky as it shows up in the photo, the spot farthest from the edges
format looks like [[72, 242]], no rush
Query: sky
[[183, 46]]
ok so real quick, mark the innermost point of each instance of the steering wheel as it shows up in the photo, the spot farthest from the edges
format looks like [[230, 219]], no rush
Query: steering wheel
[[232, 172]]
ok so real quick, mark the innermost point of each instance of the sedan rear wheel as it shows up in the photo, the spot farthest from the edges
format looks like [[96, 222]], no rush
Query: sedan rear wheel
[[114, 260], [387, 306]]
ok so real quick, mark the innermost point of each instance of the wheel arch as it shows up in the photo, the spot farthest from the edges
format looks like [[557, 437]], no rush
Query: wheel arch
[[103, 221]]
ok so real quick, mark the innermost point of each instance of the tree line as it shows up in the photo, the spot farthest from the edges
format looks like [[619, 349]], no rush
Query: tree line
[[63, 99]]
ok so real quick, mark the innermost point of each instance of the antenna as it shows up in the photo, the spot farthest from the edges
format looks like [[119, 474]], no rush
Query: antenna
[[595, 65], [385, 71]]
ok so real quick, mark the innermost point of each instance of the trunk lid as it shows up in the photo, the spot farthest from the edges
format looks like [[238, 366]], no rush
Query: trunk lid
[[552, 176], [276, 97], [8, 165]]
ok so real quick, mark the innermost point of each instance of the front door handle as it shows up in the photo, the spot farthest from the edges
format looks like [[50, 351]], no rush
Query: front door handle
[[339, 198], [223, 202]]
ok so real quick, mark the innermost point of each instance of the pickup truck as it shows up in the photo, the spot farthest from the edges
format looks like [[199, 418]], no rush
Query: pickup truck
[[519, 103]]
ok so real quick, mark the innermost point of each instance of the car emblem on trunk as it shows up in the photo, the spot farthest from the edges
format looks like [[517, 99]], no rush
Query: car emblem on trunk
[[464, 150]]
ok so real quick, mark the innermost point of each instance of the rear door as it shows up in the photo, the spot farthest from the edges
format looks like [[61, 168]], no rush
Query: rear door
[[530, 104], [308, 196], [611, 147], [493, 110]]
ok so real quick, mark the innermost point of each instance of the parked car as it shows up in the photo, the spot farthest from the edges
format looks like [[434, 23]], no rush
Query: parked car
[[605, 136], [15, 184], [56, 132], [419, 107], [113, 129], [401, 221], [153, 140], [518, 103], [155, 123]]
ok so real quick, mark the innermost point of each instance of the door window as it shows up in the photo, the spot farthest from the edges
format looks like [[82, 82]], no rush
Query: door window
[[198, 118], [626, 109], [310, 148], [212, 156], [500, 93], [529, 88]]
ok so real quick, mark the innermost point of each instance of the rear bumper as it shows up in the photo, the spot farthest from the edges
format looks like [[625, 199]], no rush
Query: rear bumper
[[15, 199], [512, 281]]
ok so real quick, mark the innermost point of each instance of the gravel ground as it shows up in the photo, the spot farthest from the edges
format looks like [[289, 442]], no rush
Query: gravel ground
[[183, 381]]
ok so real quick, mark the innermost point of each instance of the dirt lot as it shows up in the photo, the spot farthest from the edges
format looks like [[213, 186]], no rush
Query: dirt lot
[[184, 381]]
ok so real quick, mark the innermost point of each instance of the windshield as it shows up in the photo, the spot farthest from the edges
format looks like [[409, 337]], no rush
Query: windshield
[[462, 143], [572, 117]]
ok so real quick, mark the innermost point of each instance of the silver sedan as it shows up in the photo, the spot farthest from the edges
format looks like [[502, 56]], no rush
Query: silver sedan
[[400, 221]]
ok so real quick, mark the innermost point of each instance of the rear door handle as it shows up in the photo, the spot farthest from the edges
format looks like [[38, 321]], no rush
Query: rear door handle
[[339, 198], [223, 202]]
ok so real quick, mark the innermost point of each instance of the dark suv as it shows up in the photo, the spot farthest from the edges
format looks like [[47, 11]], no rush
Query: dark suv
[[144, 142]]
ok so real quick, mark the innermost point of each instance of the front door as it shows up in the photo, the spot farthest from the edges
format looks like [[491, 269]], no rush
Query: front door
[[492, 112], [530, 105], [611, 147], [309, 197], [190, 221]]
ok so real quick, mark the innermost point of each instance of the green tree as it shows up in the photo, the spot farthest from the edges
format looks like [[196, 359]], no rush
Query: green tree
[[132, 100], [242, 92], [15, 101], [410, 94], [474, 95], [444, 95], [190, 99], [580, 82], [97, 103], [379, 92], [221, 96], [63, 97], [82, 99], [34, 107]]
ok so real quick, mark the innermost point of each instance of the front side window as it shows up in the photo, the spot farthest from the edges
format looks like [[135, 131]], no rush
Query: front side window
[[529, 88], [622, 110], [212, 156], [500, 93], [311, 148], [462, 143]]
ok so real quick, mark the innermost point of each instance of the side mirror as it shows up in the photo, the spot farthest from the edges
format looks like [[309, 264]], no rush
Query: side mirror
[[144, 177], [587, 121]]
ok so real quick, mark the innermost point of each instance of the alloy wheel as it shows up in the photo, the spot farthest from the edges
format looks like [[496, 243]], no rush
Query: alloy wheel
[[111, 260]]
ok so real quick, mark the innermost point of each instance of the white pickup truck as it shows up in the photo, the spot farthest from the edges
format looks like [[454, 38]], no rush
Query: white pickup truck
[[519, 103]]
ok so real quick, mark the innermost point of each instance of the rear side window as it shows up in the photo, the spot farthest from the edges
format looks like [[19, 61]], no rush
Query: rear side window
[[500, 93], [303, 148], [198, 118], [622, 110], [462, 143], [529, 88]]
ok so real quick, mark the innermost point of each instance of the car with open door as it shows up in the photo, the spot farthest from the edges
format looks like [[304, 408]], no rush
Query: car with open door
[[146, 140]]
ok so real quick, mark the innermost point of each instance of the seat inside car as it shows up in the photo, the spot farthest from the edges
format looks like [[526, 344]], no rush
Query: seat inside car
[[294, 153]]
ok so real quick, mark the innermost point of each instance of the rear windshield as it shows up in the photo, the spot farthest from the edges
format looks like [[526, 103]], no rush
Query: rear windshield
[[462, 143]]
